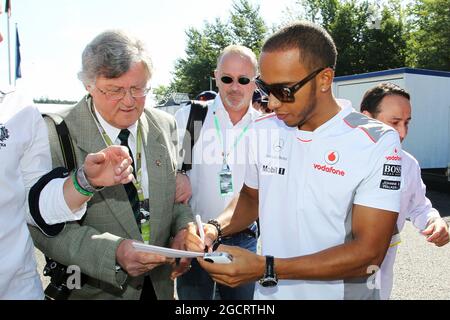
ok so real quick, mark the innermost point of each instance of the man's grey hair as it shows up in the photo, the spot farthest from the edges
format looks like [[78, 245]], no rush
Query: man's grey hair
[[111, 54], [239, 50]]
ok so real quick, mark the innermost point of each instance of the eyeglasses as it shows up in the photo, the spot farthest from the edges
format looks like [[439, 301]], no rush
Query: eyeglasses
[[283, 92], [120, 93], [241, 80]]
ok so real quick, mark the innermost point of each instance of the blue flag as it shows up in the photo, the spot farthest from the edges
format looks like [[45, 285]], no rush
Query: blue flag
[[18, 71]]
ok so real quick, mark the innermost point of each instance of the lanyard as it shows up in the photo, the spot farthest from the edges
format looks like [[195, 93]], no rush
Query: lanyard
[[236, 141], [137, 182]]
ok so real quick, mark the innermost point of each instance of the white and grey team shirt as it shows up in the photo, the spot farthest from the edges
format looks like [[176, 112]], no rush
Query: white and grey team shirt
[[308, 183], [415, 206]]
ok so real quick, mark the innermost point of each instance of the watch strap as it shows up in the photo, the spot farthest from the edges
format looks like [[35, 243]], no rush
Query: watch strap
[[270, 269]]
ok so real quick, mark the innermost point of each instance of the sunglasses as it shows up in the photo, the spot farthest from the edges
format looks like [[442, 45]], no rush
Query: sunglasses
[[241, 80], [283, 92]]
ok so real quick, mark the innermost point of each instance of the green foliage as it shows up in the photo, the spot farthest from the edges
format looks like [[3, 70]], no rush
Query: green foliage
[[194, 73], [247, 26], [161, 94], [418, 37], [429, 29], [360, 48]]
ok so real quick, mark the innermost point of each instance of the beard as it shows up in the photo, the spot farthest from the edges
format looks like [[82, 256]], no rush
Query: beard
[[235, 101], [308, 111]]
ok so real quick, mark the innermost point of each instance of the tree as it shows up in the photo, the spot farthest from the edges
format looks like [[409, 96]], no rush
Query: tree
[[194, 73], [247, 26], [161, 94], [361, 48], [429, 28]]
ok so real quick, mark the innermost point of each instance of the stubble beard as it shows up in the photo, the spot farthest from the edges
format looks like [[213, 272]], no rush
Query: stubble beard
[[307, 113], [233, 105]]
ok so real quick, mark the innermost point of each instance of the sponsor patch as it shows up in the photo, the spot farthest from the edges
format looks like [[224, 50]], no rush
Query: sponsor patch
[[332, 157], [390, 185], [392, 170], [273, 170], [330, 170]]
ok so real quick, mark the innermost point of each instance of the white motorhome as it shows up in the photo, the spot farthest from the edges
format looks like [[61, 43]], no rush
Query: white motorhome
[[429, 132]]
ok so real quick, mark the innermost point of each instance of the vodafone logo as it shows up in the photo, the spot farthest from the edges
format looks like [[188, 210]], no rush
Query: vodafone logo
[[331, 157], [394, 157], [330, 170]]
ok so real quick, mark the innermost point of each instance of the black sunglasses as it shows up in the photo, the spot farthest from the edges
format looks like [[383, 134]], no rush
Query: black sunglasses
[[283, 92], [242, 80]]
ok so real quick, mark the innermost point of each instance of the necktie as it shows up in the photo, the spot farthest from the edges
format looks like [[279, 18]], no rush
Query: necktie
[[129, 187]]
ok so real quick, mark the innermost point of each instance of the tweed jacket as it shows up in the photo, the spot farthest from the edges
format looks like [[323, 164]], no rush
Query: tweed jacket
[[91, 244]]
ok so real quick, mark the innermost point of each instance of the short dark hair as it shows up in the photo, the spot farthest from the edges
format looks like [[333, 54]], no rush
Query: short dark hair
[[317, 48], [372, 98]]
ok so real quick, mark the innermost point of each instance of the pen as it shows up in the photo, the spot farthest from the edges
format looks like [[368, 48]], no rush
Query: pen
[[201, 232]]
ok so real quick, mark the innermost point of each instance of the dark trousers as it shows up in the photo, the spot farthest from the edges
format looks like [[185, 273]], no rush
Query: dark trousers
[[148, 292]]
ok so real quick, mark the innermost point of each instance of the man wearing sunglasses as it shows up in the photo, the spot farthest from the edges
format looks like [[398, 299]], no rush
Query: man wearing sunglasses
[[218, 163], [318, 178]]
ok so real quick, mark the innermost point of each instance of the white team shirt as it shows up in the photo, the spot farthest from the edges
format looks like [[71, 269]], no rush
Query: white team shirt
[[207, 160], [25, 157], [308, 182], [413, 205]]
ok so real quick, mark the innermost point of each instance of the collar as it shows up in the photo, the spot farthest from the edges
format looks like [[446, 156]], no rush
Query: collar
[[111, 131], [251, 115], [346, 108]]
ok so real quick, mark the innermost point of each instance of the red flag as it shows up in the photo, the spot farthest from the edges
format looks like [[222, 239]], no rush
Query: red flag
[[8, 7]]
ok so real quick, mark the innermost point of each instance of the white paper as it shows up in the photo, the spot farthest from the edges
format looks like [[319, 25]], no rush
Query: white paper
[[167, 252]]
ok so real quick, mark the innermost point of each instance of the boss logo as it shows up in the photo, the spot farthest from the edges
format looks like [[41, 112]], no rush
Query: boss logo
[[392, 170]]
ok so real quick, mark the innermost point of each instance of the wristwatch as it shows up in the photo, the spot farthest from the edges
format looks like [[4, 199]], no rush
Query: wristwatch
[[270, 278], [84, 182]]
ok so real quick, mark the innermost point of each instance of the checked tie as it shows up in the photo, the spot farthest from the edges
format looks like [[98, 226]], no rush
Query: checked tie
[[129, 187]]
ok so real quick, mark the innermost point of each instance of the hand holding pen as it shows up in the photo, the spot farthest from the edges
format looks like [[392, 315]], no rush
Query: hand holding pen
[[201, 232]]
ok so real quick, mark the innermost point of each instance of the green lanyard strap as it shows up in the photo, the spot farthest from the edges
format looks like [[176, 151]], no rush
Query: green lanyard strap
[[219, 136]]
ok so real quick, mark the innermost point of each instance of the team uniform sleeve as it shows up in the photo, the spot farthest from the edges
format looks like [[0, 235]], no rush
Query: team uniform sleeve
[[419, 208], [54, 208], [251, 167], [379, 189], [36, 162]]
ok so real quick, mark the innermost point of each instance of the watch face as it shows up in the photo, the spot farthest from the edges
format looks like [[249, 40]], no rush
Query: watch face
[[268, 282]]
